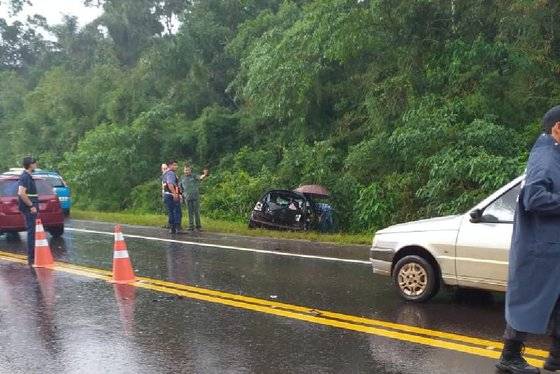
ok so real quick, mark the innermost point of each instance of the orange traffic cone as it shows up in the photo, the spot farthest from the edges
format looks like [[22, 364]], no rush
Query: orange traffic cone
[[43, 255], [122, 267]]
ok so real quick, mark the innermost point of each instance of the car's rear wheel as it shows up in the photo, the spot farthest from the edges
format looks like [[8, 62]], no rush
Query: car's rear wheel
[[416, 278], [56, 232]]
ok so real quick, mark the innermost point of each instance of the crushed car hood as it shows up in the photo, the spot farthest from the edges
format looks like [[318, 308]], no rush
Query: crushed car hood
[[433, 224]]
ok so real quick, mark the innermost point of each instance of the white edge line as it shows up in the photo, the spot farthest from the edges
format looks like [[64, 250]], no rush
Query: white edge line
[[225, 247]]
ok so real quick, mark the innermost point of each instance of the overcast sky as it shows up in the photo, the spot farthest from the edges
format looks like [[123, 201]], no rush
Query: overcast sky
[[54, 10]]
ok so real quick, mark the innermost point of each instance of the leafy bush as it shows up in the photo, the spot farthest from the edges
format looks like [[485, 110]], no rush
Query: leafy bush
[[147, 198], [381, 203], [253, 160], [232, 195], [99, 170], [402, 109]]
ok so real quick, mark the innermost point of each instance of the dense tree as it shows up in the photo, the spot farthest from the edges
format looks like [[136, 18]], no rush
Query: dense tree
[[402, 108]]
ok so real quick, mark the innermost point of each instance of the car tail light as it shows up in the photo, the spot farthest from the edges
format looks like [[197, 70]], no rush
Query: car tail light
[[52, 204], [8, 206]]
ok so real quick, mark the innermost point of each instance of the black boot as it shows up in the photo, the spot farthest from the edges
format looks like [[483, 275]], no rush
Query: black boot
[[172, 230], [512, 360], [552, 363]]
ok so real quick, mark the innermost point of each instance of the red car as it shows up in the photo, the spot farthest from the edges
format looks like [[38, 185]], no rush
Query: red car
[[50, 212]]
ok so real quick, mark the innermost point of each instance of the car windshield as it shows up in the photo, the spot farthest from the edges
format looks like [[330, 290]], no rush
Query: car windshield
[[503, 209], [10, 187], [53, 180], [279, 200]]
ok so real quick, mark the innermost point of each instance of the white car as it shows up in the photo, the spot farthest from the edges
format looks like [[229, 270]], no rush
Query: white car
[[469, 250]]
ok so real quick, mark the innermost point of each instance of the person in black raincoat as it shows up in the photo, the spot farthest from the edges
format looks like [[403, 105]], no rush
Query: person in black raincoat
[[532, 298]]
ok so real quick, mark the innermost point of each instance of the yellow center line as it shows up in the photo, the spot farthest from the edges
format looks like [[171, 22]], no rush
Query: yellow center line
[[429, 337]]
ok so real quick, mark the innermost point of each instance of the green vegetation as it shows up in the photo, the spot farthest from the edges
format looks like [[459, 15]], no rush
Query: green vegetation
[[402, 108], [220, 226]]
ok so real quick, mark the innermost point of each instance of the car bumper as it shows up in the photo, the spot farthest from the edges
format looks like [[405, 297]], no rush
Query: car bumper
[[52, 219], [381, 260], [277, 226], [16, 222]]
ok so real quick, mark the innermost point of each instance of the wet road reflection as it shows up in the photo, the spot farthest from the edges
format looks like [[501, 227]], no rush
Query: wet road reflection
[[64, 321], [125, 295], [34, 322]]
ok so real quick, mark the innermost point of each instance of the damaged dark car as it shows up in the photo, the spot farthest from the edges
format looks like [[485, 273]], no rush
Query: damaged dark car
[[284, 210], [292, 210]]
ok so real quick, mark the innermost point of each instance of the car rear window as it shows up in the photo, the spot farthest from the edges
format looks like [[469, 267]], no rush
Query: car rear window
[[53, 180], [10, 187], [44, 187]]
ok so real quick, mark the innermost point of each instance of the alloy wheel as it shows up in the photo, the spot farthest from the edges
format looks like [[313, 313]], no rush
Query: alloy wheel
[[412, 279]]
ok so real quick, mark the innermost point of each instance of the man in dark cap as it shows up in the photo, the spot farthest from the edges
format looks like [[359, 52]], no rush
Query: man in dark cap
[[28, 202], [532, 298]]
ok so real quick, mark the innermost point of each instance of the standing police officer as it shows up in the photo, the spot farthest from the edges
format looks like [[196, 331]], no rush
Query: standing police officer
[[28, 202], [172, 197]]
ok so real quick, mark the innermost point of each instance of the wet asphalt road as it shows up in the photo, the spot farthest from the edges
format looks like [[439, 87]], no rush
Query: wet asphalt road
[[53, 322]]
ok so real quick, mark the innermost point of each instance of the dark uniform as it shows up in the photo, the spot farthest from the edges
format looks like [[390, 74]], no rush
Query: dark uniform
[[173, 206], [26, 181]]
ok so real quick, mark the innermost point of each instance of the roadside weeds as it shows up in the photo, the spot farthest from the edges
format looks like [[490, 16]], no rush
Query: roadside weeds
[[221, 226]]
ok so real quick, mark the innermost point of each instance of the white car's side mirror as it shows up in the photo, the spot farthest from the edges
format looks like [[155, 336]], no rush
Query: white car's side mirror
[[476, 216]]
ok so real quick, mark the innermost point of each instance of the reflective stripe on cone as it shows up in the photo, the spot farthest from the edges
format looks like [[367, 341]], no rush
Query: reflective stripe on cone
[[120, 254]]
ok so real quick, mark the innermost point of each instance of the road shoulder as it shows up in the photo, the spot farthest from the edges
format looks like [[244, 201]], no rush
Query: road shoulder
[[293, 246]]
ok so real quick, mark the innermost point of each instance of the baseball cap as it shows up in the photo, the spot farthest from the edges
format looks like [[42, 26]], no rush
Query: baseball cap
[[28, 161]]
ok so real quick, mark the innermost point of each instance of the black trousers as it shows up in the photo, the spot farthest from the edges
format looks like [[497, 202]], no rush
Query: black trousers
[[173, 211], [553, 327], [30, 225]]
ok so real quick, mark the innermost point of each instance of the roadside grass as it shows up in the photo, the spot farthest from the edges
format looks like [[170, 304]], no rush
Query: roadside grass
[[220, 226]]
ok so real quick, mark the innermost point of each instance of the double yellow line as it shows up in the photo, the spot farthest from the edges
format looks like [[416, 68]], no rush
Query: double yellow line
[[411, 334]]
